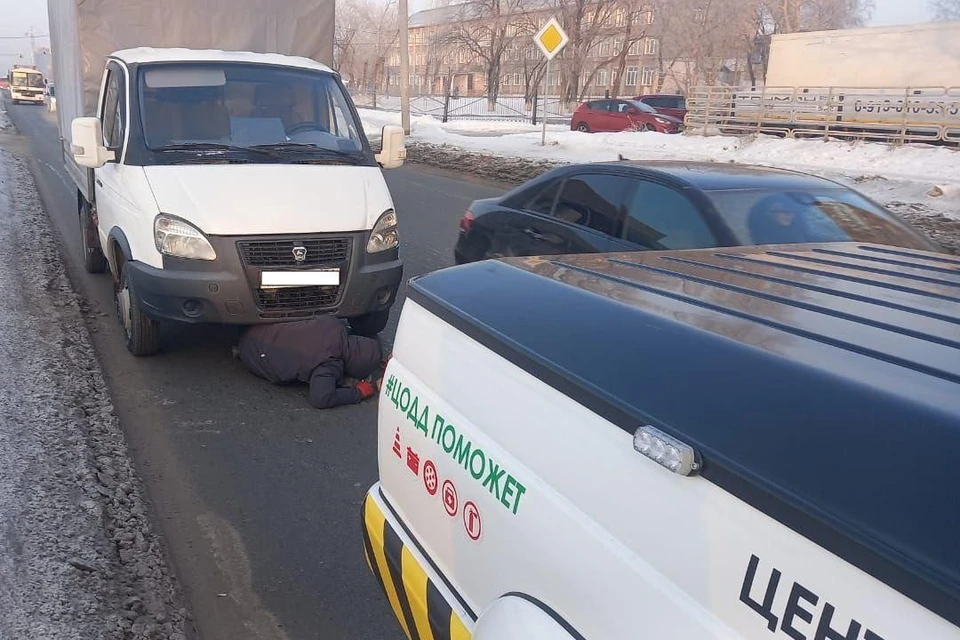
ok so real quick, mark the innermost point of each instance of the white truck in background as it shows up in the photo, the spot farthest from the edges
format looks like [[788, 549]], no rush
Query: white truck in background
[[216, 184], [916, 55]]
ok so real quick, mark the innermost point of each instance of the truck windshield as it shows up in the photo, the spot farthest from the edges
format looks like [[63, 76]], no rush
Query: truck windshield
[[246, 106], [767, 216], [31, 80]]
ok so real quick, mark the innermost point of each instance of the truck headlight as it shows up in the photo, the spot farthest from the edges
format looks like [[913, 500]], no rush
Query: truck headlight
[[180, 239], [384, 234]]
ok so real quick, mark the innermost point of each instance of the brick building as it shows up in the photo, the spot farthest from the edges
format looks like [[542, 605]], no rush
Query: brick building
[[441, 56]]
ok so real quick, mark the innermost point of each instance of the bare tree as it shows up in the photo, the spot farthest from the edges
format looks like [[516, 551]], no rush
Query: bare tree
[[486, 28], [585, 22], [632, 32], [698, 37], [366, 31], [945, 9], [790, 16]]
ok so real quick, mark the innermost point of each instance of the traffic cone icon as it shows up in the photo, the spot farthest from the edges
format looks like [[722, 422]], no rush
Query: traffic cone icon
[[396, 444]]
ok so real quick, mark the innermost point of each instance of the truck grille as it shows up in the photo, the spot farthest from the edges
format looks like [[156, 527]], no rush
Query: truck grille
[[297, 298], [280, 253]]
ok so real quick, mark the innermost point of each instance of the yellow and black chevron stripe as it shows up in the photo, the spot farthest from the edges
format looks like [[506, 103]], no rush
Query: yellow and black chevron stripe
[[420, 608]]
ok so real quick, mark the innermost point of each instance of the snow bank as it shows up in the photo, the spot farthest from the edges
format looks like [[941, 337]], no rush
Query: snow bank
[[79, 559], [913, 174]]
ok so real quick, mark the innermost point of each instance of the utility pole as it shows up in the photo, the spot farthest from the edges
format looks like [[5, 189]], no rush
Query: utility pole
[[33, 47], [404, 67]]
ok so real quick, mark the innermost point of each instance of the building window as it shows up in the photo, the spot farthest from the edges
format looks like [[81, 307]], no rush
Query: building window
[[700, 15], [631, 77], [636, 17], [516, 79], [462, 56], [621, 17], [634, 49], [552, 79], [648, 15], [617, 46], [394, 80], [605, 49], [649, 75], [651, 46], [602, 78]]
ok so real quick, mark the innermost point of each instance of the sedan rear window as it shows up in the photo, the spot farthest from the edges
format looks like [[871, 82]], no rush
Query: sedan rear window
[[761, 216]]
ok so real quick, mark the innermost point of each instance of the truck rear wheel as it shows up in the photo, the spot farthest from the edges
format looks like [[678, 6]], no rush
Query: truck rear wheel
[[142, 332], [93, 259], [370, 324]]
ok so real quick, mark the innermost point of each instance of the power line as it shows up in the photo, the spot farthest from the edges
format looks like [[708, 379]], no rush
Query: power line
[[24, 37]]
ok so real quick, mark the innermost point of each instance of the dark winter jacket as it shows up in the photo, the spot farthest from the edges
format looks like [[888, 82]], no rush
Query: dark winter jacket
[[318, 351]]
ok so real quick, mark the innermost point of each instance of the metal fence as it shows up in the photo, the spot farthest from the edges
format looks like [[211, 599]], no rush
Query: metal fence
[[506, 108], [901, 115]]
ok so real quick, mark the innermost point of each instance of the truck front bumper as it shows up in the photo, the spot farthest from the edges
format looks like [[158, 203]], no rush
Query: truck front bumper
[[226, 290]]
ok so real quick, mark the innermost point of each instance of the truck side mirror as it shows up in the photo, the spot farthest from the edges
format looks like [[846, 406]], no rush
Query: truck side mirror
[[88, 149], [392, 151]]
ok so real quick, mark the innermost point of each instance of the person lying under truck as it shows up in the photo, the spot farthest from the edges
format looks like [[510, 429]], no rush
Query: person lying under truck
[[319, 351]]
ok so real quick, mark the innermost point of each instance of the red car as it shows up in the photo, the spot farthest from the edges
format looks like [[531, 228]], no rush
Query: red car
[[670, 105], [622, 115]]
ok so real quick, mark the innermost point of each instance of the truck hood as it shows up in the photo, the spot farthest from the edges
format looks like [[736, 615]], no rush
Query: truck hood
[[255, 199]]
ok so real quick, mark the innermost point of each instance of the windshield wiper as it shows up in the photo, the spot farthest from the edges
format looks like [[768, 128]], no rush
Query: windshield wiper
[[312, 152], [214, 147]]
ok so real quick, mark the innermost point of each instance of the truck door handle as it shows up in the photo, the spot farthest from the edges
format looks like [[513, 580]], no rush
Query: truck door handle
[[533, 233], [99, 182]]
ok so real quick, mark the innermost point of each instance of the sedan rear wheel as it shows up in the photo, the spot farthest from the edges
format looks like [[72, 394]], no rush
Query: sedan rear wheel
[[583, 127]]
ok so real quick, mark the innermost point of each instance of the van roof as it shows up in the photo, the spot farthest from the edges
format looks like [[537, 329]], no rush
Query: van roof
[[820, 383], [145, 55]]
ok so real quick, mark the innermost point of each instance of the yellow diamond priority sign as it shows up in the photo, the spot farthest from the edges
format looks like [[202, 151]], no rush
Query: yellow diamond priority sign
[[551, 38]]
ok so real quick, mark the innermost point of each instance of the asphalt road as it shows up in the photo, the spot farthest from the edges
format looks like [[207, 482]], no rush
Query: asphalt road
[[258, 495]]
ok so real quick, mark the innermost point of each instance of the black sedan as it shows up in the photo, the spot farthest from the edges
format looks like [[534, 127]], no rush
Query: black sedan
[[672, 205]]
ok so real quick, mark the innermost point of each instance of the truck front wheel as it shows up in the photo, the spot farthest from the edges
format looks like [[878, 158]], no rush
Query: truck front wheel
[[142, 332], [370, 324], [93, 259]]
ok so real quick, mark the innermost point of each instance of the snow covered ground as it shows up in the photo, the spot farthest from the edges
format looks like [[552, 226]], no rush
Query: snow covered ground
[[78, 557], [914, 176]]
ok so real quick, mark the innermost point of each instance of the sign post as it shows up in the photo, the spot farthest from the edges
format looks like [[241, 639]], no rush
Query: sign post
[[551, 39]]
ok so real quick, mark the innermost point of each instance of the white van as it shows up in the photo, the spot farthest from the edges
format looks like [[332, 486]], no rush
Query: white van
[[234, 188], [739, 443]]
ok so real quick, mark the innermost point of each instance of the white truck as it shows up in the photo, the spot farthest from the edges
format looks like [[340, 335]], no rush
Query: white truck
[[215, 183], [914, 55], [751, 443]]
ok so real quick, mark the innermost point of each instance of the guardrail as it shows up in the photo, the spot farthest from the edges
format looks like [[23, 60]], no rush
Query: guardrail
[[901, 114]]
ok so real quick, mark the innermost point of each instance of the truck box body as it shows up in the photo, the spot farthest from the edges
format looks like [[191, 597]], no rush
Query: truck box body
[[84, 32], [819, 386], [922, 55]]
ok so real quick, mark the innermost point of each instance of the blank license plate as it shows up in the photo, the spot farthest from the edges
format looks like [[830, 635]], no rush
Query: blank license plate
[[322, 278]]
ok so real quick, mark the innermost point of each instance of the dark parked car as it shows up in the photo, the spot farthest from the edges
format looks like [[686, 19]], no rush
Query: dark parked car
[[622, 115], [605, 207], [669, 105]]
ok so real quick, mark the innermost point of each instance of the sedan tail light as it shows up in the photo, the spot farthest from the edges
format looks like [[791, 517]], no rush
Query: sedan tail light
[[466, 222]]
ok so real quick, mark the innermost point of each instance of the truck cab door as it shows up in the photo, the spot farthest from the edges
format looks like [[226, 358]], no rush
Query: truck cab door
[[112, 112]]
